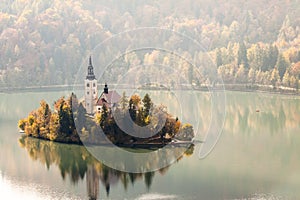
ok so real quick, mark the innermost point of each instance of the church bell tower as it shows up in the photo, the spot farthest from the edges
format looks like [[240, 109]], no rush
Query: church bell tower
[[91, 91]]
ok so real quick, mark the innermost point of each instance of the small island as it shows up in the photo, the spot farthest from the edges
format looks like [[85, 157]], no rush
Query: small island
[[70, 123], [96, 120]]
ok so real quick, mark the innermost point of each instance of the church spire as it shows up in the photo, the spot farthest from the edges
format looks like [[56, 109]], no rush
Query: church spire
[[90, 61], [90, 75]]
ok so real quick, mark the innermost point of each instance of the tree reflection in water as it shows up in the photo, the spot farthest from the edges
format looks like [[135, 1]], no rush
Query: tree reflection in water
[[76, 162]]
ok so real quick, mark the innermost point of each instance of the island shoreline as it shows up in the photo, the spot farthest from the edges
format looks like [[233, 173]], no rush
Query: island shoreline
[[148, 146]]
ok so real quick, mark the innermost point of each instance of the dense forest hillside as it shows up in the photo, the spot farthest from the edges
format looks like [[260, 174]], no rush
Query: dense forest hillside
[[250, 42]]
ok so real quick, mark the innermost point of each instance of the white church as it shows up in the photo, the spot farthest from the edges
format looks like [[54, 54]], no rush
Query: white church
[[92, 102]]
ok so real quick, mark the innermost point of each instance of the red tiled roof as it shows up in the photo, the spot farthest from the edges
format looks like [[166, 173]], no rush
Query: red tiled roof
[[110, 98]]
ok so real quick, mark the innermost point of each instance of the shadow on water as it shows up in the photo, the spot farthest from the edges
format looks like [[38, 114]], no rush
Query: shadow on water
[[75, 162]]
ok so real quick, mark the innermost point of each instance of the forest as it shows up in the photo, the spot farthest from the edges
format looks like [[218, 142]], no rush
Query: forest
[[249, 42]]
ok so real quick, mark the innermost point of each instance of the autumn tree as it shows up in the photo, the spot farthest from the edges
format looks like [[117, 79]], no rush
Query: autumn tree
[[54, 126], [240, 75], [295, 70], [275, 78], [186, 132], [43, 118], [135, 100], [242, 55], [286, 79], [22, 124], [251, 76]]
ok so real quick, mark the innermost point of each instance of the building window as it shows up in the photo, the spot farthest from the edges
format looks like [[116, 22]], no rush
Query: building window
[[87, 92], [94, 85], [88, 104], [87, 85]]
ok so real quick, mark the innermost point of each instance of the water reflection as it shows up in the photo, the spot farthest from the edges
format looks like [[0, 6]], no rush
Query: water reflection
[[76, 162], [264, 113]]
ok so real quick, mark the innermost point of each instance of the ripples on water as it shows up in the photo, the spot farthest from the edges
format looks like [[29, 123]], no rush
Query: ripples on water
[[263, 197], [15, 189]]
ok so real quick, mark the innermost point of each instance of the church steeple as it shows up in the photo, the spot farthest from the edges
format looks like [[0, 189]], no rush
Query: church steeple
[[91, 91], [90, 75]]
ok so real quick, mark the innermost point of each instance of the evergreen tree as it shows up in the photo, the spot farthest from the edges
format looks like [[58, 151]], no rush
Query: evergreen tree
[[273, 56], [72, 105], [218, 58], [104, 115], [281, 65], [123, 101], [132, 110], [147, 105], [140, 117], [80, 117], [64, 119]]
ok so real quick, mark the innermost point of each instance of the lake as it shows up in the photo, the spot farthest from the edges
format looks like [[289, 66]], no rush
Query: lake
[[256, 157]]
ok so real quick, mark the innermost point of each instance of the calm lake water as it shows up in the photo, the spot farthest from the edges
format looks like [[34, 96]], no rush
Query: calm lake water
[[256, 157]]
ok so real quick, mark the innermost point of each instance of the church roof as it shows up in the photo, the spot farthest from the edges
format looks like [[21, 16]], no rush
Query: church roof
[[110, 98]]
